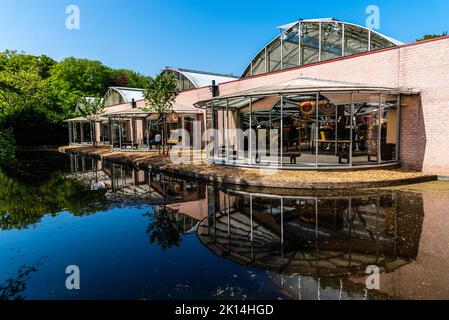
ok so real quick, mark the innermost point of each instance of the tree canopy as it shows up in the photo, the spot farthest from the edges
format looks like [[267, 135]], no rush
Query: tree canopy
[[38, 92], [432, 36], [160, 95]]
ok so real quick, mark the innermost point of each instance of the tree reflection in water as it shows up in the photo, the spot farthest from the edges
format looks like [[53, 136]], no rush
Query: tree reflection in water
[[164, 228], [13, 288], [312, 244]]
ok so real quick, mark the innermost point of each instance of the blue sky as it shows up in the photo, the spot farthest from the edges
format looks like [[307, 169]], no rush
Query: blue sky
[[220, 36]]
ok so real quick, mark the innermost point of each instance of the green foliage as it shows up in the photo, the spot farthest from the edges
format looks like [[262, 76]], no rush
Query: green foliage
[[91, 108], [161, 93], [432, 36], [130, 79], [50, 90], [7, 147], [22, 85], [71, 79]]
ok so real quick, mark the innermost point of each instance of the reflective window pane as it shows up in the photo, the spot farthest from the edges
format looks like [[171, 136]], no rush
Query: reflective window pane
[[310, 42], [296, 131], [247, 72], [274, 55], [243, 134], [356, 40], [259, 64], [291, 142], [366, 128], [378, 42], [266, 126], [334, 129], [290, 53], [331, 40], [299, 130], [389, 132], [182, 82]]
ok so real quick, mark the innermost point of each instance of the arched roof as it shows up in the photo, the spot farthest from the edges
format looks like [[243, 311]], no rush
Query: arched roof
[[341, 43], [201, 78], [128, 94], [290, 25]]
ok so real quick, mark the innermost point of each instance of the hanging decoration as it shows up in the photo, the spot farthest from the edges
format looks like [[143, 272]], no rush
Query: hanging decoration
[[307, 107], [328, 109], [173, 117]]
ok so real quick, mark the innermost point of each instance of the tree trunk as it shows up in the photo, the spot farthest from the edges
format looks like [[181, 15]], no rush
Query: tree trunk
[[94, 134]]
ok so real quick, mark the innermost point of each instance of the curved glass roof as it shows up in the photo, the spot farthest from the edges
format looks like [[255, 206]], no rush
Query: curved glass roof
[[120, 95], [308, 41], [191, 79]]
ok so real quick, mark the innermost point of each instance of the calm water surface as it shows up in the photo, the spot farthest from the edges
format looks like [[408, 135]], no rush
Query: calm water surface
[[141, 235]]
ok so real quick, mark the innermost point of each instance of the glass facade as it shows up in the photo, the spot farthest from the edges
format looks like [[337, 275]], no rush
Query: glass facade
[[331, 40], [113, 98], [274, 53], [290, 46], [318, 130], [182, 81], [308, 42]]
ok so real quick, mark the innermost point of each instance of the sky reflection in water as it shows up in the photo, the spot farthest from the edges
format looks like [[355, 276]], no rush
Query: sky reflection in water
[[151, 236]]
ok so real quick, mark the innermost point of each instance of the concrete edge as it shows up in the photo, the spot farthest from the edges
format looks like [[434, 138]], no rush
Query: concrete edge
[[213, 178]]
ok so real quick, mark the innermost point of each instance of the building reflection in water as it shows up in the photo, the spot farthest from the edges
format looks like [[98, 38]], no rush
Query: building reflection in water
[[186, 199], [325, 239], [313, 245]]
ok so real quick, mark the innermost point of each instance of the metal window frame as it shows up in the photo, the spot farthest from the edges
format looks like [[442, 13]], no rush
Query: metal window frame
[[299, 43], [317, 127], [379, 130], [398, 128], [351, 135], [320, 39], [227, 132], [282, 133], [250, 138]]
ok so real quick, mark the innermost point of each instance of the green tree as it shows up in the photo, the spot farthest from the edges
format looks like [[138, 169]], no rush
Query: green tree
[[92, 109], [131, 79], [71, 79], [432, 36], [160, 94], [37, 93], [21, 83]]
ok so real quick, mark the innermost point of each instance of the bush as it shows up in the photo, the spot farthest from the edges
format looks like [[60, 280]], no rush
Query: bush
[[7, 147], [34, 128]]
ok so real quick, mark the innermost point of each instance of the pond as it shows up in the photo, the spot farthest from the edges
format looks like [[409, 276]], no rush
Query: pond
[[137, 234]]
